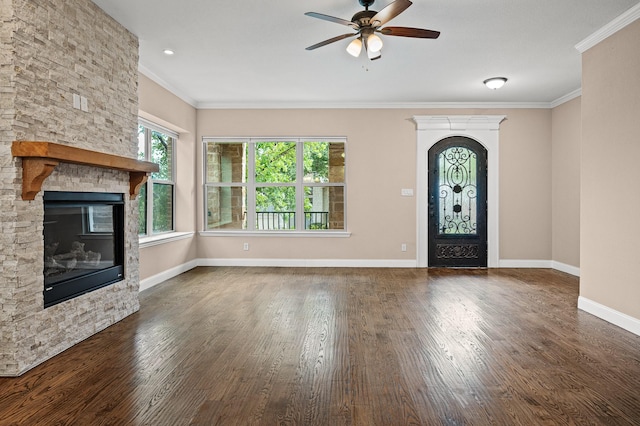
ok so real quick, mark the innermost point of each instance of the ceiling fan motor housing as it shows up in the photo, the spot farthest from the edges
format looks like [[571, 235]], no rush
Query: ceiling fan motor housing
[[363, 18]]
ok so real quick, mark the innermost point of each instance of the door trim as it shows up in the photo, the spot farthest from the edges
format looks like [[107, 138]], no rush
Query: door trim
[[482, 128]]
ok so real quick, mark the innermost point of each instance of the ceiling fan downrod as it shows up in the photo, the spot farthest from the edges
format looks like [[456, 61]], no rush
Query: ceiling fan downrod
[[366, 3]]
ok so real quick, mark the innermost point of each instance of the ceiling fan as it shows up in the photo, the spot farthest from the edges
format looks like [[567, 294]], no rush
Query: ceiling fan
[[367, 23]]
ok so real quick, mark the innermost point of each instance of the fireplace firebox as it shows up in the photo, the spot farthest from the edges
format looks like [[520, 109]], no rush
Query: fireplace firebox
[[83, 243]]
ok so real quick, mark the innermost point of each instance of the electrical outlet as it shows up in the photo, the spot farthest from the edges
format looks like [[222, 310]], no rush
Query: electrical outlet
[[76, 101], [245, 246], [403, 247], [84, 104]]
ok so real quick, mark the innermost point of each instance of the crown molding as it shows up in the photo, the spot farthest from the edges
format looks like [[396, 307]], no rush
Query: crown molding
[[374, 105], [174, 91], [611, 28], [566, 98]]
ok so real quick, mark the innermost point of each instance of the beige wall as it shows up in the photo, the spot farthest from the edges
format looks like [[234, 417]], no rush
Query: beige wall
[[381, 151], [380, 155], [525, 185], [610, 199], [164, 108], [565, 188], [536, 175]]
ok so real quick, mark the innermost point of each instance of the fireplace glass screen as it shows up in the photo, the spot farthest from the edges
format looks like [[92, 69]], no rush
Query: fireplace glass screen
[[83, 243]]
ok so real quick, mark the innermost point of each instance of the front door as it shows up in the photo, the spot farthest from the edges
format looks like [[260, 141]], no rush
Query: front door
[[457, 203]]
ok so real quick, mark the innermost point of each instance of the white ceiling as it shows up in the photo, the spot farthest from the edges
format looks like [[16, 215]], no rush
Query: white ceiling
[[251, 53]]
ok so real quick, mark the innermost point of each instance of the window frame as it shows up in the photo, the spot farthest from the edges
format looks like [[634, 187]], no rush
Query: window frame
[[149, 184], [252, 184]]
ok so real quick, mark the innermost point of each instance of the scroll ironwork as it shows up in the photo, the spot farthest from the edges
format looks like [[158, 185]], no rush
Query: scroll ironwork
[[457, 169]]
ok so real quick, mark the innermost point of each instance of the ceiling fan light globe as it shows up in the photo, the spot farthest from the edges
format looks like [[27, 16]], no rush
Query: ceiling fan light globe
[[355, 47], [373, 55], [374, 43]]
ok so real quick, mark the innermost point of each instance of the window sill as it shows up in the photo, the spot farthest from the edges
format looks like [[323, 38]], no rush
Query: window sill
[[294, 234], [163, 238]]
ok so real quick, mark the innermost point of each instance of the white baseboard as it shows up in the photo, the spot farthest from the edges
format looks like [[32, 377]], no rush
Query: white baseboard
[[524, 263], [375, 263], [319, 263], [625, 321], [551, 264], [165, 275], [563, 267]]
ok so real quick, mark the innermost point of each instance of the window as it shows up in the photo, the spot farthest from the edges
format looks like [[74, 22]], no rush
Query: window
[[287, 185], [156, 198]]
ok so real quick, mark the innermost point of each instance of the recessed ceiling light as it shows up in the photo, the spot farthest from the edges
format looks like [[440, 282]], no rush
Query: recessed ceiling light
[[495, 82], [168, 52]]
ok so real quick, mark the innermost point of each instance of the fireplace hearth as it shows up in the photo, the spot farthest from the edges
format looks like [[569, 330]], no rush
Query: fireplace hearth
[[83, 243]]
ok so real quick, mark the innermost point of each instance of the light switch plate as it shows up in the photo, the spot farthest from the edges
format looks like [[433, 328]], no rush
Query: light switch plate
[[407, 192]]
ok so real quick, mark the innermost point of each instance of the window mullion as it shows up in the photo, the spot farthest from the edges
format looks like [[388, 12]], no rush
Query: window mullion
[[300, 186], [147, 141], [251, 186], [173, 182]]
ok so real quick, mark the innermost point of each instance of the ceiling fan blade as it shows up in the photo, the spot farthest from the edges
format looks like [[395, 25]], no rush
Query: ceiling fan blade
[[409, 32], [389, 12], [331, 40], [331, 19]]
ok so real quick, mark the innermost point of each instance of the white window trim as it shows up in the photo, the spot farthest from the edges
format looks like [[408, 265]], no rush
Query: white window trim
[[251, 186], [156, 127], [150, 235], [295, 234], [168, 237]]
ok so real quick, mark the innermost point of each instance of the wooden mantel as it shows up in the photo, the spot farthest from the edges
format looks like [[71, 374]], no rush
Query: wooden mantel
[[39, 159]]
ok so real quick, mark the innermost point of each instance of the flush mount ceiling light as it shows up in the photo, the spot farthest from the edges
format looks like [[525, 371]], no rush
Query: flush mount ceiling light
[[368, 22], [495, 82], [168, 52]]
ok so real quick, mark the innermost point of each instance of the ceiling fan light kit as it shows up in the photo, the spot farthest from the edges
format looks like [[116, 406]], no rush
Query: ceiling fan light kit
[[495, 83], [367, 23]]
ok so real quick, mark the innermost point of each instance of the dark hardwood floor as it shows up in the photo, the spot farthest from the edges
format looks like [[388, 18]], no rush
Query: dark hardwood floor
[[329, 346]]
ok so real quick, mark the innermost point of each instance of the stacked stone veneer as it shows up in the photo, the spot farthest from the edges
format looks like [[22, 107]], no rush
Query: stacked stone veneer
[[50, 50]]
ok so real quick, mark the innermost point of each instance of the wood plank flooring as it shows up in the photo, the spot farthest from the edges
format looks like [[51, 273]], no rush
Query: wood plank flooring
[[330, 346]]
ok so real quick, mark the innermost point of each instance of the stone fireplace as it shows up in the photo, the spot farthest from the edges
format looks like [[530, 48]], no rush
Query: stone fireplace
[[51, 52]]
